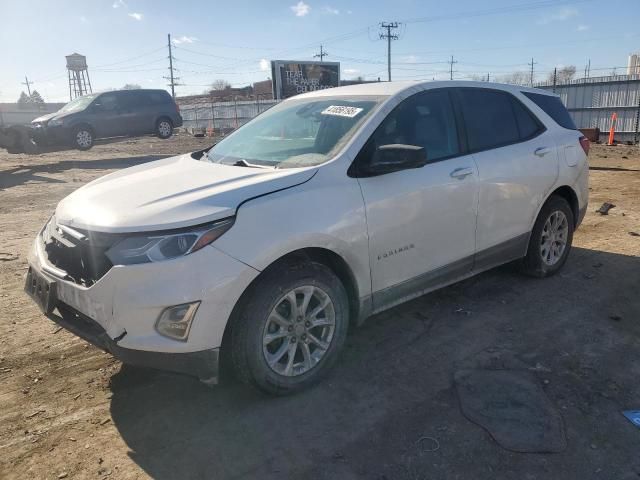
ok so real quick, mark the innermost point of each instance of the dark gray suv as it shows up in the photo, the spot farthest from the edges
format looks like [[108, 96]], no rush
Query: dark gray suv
[[111, 114]]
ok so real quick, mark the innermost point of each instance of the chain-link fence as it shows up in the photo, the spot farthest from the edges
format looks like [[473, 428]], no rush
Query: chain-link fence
[[221, 116]]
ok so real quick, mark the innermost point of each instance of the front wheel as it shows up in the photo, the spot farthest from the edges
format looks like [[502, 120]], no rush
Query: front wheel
[[289, 334], [82, 138], [551, 239], [164, 128]]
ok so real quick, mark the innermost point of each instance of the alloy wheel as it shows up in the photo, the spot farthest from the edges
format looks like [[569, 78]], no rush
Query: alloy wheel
[[84, 139], [164, 128], [554, 237], [299, 331]]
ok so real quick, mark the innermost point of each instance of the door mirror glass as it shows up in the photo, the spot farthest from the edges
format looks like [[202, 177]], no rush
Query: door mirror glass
[[394, 157]]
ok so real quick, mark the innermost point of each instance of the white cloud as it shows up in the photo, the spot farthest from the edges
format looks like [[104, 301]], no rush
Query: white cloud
[[264, 64], [136, 16], [183, 39], [349, 12], [583, 28], [351, 71], [409, 59], [300, 9], [119, 3], [331, 11], [83, 19], [560, 16]]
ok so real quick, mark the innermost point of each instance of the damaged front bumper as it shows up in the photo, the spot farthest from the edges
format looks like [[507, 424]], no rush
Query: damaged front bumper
[[203, 364]]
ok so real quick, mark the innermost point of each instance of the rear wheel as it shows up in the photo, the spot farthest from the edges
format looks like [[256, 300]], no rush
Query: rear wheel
[[164, 128], [551, 239], [82, 138], [289, 334]]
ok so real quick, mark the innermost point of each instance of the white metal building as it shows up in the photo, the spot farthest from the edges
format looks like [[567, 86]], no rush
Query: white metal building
[[592, 101]]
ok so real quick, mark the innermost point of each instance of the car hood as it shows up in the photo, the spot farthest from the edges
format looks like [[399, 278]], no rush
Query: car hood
[[49, 116], [171, 193]]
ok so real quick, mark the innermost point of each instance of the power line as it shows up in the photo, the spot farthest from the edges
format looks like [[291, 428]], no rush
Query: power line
[[388, 36], [130, 59], [321, 55]]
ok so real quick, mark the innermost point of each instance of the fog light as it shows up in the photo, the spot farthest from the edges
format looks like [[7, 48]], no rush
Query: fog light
[[175, 322]]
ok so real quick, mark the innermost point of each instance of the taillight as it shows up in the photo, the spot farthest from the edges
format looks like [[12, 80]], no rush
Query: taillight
[[585, 144], [177, 106]]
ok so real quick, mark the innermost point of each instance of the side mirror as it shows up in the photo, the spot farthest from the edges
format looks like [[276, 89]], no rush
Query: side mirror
[[395, 157]]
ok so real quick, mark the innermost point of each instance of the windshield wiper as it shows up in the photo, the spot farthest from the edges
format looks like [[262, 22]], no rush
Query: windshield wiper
[[243, 163]]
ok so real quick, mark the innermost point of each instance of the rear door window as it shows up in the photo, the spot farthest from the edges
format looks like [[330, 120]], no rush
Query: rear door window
[[553, 107], [489, 118]]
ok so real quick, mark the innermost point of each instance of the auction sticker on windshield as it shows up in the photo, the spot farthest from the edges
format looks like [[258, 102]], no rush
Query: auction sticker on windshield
[[341, 111]]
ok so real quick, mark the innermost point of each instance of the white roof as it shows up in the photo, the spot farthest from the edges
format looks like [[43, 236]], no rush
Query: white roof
[[394, 88]]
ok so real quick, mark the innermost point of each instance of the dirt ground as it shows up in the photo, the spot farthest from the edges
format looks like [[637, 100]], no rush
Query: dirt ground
[[68, 410]]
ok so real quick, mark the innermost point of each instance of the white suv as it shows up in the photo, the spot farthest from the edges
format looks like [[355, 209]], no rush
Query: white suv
[[327, 208]]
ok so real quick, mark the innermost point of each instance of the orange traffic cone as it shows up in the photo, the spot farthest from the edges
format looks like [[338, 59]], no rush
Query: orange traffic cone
[[614, 119]]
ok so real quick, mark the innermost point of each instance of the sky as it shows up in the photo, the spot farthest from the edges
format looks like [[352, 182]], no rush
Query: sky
[[125, 41]]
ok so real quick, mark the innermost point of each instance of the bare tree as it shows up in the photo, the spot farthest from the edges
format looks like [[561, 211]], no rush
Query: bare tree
[[131, 86], [220, 84], [515, 78], [564, 74]]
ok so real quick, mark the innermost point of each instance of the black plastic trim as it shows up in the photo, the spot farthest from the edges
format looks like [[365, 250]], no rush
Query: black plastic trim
[[203, 364]]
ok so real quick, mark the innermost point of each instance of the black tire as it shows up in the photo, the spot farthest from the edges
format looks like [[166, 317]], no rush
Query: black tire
[[249, 326], [164, 128], [82, 137], [533, 263]]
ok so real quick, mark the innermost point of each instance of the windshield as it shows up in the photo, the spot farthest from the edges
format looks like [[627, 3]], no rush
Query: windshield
[[79, 103], [295, 133]]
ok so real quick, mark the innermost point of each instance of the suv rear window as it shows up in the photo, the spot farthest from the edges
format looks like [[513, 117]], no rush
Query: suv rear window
[[553, 107]]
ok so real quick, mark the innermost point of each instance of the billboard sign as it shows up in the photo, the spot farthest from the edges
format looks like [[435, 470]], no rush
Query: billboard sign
[[291, 77]]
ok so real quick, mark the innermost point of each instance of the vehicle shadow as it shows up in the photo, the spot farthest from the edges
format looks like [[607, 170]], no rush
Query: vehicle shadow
[[34, 172], [392, 388]]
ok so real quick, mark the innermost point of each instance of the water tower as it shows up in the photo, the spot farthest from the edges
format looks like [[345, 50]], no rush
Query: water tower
[[79, 83]]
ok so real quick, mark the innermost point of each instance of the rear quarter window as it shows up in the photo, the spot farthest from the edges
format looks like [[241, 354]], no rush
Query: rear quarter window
[[553, 107], [158, 98]]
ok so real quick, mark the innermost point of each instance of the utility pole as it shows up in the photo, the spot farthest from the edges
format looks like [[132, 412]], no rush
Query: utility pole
[[488, 77], [451, 62], [321, 55], [389, 37], [28, 84], [555, 78], [589, 68], [531, 64], [172, 79]]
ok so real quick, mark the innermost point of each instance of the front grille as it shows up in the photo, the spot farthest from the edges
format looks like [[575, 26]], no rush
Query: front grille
[[80, 253]]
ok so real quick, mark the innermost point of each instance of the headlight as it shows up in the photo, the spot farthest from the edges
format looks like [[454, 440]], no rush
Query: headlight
[[141, 248], [55, 122]]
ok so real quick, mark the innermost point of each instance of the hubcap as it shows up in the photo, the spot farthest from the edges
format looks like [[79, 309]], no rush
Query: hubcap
[[554, 238], [299, 331], [83, 138], [164, 128]]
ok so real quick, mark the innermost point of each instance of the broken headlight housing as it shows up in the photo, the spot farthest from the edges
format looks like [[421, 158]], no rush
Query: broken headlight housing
[[156, 247]]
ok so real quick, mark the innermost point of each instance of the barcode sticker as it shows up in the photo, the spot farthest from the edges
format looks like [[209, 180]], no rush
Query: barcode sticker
[[342, 111]]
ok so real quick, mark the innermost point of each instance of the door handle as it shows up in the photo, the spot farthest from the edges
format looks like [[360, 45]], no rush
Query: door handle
[[542, 151], [461, 173]]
